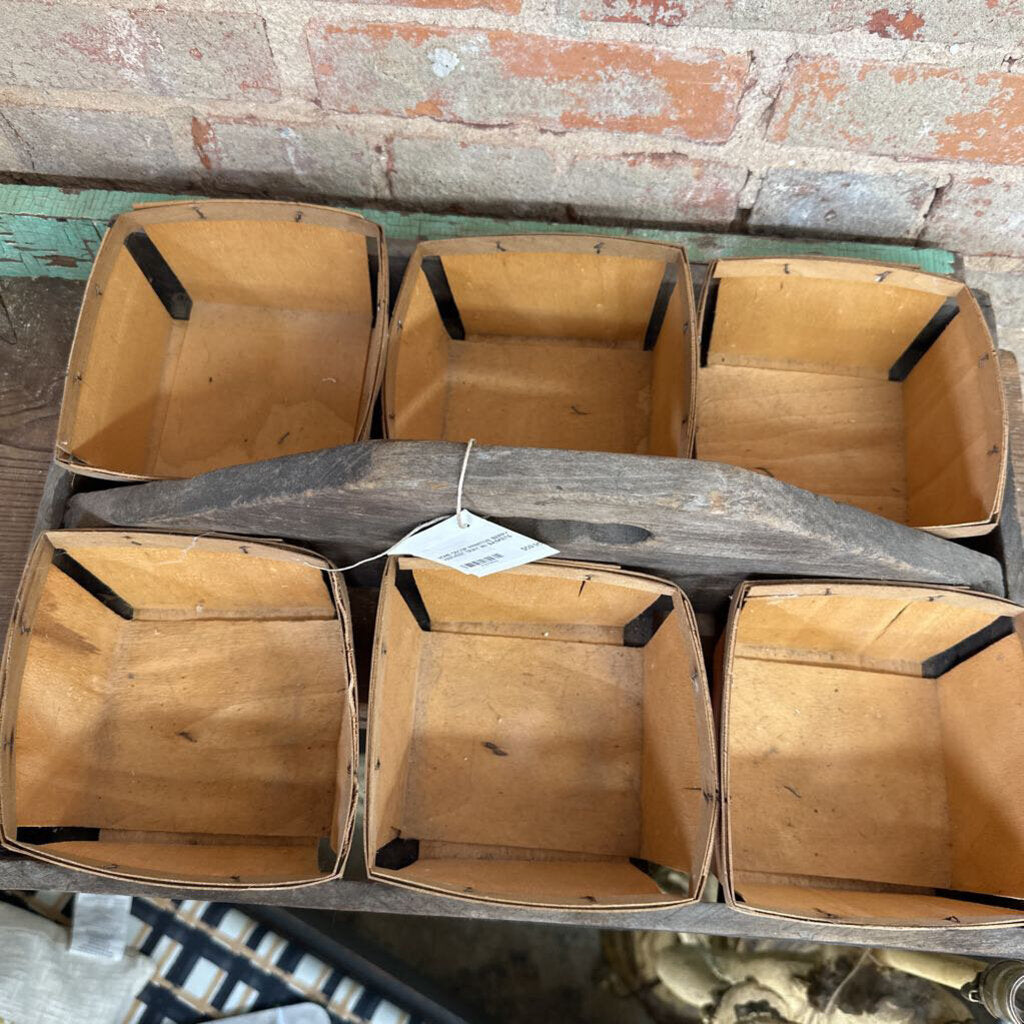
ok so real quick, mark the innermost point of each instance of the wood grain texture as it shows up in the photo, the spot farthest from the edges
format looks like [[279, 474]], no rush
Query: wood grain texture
[[54, 232], [37, 320], [354, 894], [1008, 541], [839, 435], [836, 774], [704, 525]]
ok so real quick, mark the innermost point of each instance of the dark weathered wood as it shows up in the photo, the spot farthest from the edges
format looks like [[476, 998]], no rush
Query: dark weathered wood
[[710, 918], [37, 320], [57, 490], [1009, 540], [691, 508], [703, 524]]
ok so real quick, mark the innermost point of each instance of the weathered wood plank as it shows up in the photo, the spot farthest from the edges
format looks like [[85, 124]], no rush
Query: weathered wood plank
[[703, 524], [37, 319], [375, 897], [57, 490], [1009, 537], [52, 232]]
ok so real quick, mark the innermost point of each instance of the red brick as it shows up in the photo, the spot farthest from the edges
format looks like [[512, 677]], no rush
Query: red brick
[[795, 200], [941, 21], [482, 176], [902, 110], [670, 13], [290, 158], [666, 188], [14, 154], [946, 21], [211, 55], [127, 147], [187, 55], [791, 16], [471, 76], [978, 215], [498, 6]]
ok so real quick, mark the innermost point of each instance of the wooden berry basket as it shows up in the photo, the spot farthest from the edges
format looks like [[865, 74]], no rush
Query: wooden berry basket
[[596, 517]]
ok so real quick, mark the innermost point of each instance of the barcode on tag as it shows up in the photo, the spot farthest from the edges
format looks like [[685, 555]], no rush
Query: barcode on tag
[[481, 561], [477, 548]]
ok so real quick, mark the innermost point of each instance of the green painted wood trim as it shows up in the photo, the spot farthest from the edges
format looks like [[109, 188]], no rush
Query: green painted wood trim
[[51, 232]]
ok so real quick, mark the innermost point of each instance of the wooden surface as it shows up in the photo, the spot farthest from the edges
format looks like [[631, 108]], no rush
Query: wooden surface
[[28, 405], [37, 319], [376, 897], [1007, 542], [55, 232], [704, 525]]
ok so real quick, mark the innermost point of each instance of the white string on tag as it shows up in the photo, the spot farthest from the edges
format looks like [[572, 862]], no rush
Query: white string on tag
[[462, 480], [416, 529], [373, 558], [477, 547], [463, 541]]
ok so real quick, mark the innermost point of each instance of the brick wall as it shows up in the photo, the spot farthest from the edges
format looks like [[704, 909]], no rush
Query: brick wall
[[858, 118]]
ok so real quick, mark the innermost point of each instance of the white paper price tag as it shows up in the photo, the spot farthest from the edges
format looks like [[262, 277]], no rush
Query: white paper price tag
[[99, 927], [478, 549]]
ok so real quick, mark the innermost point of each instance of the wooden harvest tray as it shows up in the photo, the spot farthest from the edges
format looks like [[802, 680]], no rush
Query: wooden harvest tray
[[585, 534]]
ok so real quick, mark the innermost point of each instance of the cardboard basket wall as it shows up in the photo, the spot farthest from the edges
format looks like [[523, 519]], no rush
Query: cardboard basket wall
[[870, 754], [871, 384], [541, 736], [179, 711], [215, 333], [544, 341]]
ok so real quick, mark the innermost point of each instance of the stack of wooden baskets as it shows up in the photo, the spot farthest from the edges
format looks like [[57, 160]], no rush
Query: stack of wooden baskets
[[181, 708]]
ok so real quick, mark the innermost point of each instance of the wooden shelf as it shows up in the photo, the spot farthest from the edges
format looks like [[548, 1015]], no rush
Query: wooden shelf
[[22, 209], [375, 897]]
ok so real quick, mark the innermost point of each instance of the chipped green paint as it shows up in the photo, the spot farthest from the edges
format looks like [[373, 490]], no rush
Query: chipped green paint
[[52, 232]]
